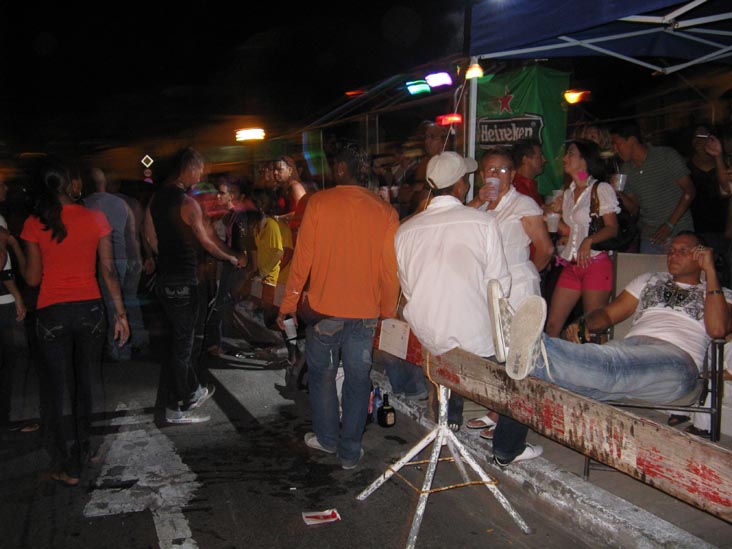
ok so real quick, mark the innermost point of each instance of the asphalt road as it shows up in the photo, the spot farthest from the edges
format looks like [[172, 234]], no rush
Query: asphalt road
[[242, 480]]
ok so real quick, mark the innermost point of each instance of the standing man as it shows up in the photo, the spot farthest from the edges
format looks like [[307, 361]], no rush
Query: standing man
[[529, 162], [120, 218], [659, 189], [346, 247], [447, 254], [175, 231]]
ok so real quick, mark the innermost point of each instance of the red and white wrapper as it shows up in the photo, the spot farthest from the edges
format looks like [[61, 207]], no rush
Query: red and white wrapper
[[320, 517]]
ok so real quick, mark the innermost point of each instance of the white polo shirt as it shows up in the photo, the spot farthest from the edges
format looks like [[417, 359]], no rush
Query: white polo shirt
[[446, 256]]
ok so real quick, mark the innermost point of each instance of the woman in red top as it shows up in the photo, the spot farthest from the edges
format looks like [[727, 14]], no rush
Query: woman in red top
[[63, 240]]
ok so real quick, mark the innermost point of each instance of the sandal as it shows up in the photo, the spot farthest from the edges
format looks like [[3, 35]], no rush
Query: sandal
[[480, 423], [64, 479], [698, 432], [675, 419], [487, 433]]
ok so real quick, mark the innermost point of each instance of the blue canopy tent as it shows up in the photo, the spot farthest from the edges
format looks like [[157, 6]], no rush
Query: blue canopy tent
[[661, 35], [637, 31]]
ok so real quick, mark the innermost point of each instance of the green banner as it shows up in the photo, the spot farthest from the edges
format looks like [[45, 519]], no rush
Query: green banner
[[523, 103]]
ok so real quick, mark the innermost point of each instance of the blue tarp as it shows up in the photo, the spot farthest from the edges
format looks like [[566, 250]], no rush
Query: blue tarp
[[691, 32]]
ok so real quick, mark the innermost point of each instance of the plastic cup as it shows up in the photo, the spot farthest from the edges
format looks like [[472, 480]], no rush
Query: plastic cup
[[394, 191], [290, 328], [618, 181], [492, 185], [552, 222], [557, 193]]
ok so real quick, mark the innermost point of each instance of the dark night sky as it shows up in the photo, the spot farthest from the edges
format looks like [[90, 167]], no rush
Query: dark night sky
[[112, 70]]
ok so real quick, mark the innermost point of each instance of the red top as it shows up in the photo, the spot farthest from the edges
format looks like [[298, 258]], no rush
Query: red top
[[529, 187], [70, 267]]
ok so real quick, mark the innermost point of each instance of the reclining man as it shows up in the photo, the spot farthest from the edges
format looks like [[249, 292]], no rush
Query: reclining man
[[675, 316]]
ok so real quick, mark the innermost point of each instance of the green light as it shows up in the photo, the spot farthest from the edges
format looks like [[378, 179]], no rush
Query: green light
[[418, 86]]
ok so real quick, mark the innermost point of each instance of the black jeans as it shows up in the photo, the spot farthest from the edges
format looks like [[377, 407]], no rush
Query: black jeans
[[71, 337], [184, 307], [9, 355]]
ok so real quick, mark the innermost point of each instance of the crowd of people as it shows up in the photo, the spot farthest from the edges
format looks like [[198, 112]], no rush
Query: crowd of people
[[460, 249]]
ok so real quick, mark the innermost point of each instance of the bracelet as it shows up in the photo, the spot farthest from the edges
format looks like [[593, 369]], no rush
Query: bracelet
[[714, 292], [669, 224]]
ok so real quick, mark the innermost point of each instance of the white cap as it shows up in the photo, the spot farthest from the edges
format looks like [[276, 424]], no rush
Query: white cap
[[446, 169]]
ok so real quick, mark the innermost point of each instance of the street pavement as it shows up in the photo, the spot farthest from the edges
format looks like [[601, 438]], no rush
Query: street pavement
[[242, 480]]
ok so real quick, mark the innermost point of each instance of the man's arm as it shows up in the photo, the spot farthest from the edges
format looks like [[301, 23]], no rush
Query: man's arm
[[717, 312], [535, 228], [192, 216], [109, 274], [599, 320], [687, 197]]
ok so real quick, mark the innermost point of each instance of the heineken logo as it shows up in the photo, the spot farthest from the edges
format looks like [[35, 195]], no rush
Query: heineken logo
[[506, 131]]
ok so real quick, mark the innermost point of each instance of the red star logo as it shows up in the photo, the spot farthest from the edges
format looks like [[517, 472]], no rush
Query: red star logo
[[506, 102]]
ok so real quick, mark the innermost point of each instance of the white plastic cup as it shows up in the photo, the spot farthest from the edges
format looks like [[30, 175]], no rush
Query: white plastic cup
[[394, 191], [492, 185], [557, 193], [618, 181], [552, 222], [290, 328]]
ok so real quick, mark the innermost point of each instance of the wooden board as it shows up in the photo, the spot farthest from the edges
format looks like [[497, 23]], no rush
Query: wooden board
[[691, 469]]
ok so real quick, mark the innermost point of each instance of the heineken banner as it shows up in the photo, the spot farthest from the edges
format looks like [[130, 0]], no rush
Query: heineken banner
[[525, 103]]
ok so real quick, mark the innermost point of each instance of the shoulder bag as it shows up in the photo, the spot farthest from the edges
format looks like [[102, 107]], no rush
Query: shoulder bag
[[627, 226]]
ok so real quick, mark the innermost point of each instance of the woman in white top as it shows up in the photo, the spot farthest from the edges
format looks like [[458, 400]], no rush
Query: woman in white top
[[587, 273], [521, 223]]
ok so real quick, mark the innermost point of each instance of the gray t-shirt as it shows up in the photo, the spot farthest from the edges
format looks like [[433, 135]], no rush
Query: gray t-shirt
[[654, 183], [117, 212]]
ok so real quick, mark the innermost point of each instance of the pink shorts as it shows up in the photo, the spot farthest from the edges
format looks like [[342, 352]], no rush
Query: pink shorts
[[597, 276]]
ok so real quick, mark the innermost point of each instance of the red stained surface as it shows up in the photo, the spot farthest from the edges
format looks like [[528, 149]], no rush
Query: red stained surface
[[552, 416]]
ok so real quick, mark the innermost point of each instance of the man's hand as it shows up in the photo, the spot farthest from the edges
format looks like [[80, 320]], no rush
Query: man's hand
[[712, 146], [571, 333], [20, 310], [281, 321], [242, 261], [148, 266], [661, 235], [705, 257]]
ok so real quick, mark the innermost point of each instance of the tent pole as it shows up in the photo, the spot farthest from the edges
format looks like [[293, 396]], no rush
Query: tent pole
[[472, 109]]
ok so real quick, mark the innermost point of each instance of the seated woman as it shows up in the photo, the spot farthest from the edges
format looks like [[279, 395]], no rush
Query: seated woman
[[521, 222], [587, 274]]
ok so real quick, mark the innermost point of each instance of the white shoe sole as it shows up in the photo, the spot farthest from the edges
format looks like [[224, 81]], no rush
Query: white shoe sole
[[190, 420], [527, 326], [495, 294]]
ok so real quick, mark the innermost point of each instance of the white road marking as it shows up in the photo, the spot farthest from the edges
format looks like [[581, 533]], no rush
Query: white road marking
[[141, 470]]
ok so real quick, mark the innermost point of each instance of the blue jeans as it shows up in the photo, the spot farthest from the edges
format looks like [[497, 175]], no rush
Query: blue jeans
[[71, 336], [182, 304], [639, 367], [404, 377], [351, 339]]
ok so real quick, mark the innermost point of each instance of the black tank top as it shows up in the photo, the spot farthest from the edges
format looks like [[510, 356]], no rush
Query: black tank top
[[177, 245]]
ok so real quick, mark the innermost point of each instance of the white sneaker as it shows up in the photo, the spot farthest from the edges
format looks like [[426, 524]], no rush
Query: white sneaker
[[311, 441], [180, 417], [530, 452], [501, 314], [527, 325]]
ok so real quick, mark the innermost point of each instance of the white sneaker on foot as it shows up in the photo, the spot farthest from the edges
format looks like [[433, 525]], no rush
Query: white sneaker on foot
[[527, 325], [501, 314], [180, 417], [311, 441], [530, 452]]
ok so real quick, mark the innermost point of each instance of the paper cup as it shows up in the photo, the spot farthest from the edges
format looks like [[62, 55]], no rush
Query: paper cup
[[552, 222], [618, 181], [290, 328]]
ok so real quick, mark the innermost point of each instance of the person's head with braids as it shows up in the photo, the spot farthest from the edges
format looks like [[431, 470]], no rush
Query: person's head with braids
[[351, 166], [60, 184]]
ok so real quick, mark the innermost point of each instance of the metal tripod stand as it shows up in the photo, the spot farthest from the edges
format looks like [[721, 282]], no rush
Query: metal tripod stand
[[442, 435]]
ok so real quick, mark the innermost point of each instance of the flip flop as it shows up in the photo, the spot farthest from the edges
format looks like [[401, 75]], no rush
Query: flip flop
[[698, 432], [676, 419], [487, 433], [480, 422]]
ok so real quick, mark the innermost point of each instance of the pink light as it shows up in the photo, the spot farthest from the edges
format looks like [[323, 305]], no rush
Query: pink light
[[438, 79]]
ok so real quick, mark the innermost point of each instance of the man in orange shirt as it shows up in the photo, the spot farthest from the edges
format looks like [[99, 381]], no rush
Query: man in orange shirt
[[345, 247]]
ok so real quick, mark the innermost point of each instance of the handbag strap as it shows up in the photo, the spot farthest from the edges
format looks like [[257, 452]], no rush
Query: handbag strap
[[594, 201]]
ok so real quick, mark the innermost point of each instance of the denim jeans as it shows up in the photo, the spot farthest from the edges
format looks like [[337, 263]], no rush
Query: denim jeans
[[404, 377], [182, 305], [71, 337], [352, 339], [639, 367]]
